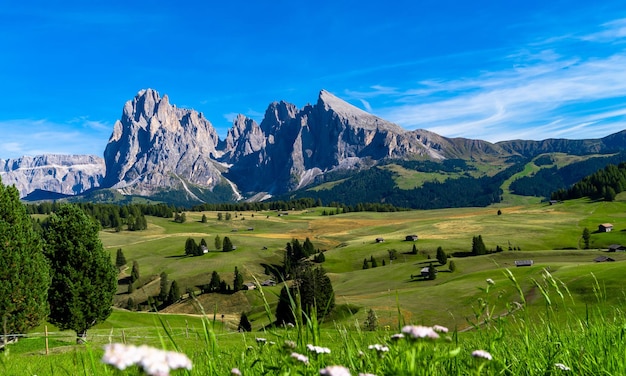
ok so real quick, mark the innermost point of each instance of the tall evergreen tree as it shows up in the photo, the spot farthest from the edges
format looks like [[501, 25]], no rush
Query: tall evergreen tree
[[134, 274], [218, 243], [174, 294], [191, 248], [586, 237], [24, 270], [244, 323], [478, 246], [441, 256], [84, 279], [285, 308], [120, 259], [227, 245], [214, 285], [237, 281]]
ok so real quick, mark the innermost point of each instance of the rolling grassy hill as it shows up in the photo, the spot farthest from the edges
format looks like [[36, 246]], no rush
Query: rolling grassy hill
[[548, 234]]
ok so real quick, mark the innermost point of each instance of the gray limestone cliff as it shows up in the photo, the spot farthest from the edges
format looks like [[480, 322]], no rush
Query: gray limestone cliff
[[157, 146], [65, 174]]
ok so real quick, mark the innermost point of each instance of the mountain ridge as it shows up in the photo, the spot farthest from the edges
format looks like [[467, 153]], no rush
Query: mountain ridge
[[157, 147]]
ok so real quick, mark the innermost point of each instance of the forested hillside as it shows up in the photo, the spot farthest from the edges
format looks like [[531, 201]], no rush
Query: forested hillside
[[551, 179], [603, 184]]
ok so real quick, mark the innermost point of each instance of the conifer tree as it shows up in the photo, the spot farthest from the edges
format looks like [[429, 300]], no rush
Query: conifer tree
[[237, 281], [134, 274], [120, 259], [244, 323], [24, 270], [227, 245], [174, 294], [84, 279], [164, 284], [441, 256], [218, 243]]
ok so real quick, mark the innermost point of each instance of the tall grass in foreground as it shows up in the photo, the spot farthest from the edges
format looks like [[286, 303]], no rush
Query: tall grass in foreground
[[505, 338]]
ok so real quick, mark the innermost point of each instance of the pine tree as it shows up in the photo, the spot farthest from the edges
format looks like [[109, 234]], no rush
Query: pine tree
[[174, 294], [204, 218], [120, 259], [134, 274], [84, 279], [218, 243], [451, 266], [441, 256], [366, 265], [214, 285], [586, 237], [414, 250], [244, 323], [432, 272], [373, 261], [164, 284], [285, 308], [237, 281], [191, 248], [227, 245], [371, 321], [24, 270]]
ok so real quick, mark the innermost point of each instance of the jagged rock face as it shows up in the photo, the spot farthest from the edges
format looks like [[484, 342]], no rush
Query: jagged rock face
[[66, 174], [302, 144], [156, 145], [244, 138]]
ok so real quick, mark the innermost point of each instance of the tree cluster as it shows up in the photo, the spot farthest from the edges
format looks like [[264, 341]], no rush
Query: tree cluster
[[603, 184]]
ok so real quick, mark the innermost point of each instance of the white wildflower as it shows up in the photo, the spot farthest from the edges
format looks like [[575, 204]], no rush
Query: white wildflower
[[562, 367], [440, 329], [490, 281], [335, 371], [260, 340], [318, 349], [481, 354], [154, 362], [378, 347], [299, 357], [419, 331], [235, 372], [397, 336]]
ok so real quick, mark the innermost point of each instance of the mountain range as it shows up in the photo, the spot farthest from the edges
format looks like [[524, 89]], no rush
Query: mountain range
[[164, 152]]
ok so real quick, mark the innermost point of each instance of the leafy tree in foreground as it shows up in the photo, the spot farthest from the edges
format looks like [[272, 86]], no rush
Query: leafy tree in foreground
[[24, 270], [83, 278]]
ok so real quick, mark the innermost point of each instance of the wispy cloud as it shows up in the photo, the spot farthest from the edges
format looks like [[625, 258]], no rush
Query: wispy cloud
[[541, 95], [40, 136]]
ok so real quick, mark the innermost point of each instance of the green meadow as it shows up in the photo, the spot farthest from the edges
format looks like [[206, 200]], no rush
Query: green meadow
[[564, 288]]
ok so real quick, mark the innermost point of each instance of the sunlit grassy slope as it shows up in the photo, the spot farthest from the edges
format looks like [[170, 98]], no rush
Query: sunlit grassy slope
[[548, 234]]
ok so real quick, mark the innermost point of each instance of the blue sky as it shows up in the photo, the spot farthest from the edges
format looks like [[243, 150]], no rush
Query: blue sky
[[492, 70]]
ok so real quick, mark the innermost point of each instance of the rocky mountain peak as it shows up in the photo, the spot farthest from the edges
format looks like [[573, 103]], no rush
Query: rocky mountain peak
[[156, 145]]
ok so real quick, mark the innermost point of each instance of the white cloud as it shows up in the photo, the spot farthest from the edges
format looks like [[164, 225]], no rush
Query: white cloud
[[40, 136]]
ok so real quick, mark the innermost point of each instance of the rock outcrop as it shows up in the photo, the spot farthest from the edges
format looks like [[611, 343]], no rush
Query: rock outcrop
[[157, 146], [65, 174]]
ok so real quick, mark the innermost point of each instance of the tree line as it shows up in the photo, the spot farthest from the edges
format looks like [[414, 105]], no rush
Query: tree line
[[604, 184]]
